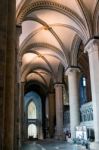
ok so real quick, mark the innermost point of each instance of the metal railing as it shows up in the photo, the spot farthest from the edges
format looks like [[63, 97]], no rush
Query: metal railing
[[86, 111]]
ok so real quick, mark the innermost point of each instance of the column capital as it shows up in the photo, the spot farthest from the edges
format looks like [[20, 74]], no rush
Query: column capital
[[71, 70], [18, 30], [92, 46], [58, 85]]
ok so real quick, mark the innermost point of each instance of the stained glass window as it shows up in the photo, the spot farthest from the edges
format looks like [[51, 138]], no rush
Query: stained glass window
[[31, 110]]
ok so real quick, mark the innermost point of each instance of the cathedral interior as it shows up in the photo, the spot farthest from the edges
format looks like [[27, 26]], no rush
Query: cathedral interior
[[49, 72]]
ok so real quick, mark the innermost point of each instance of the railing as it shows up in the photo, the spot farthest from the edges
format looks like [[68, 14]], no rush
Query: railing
[[67, 117], [86, 111], [66, 121]]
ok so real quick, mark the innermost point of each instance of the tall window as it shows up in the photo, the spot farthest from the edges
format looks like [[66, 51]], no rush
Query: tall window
[[32, 111], [84, 81], [83, 95], [32, 131]]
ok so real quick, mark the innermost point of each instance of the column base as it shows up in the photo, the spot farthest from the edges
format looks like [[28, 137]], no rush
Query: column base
[[20, 144], [60, 136], [94, 145]]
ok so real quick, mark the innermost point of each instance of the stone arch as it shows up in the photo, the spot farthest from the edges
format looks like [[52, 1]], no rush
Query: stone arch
[[96, 20], [74, 50], [31, 48], [31, 68], [49, 5]]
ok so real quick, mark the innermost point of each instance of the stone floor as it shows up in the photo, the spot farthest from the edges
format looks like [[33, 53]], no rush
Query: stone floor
[[51, 145]]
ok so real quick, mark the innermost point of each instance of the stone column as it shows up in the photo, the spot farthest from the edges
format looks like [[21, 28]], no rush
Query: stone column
[[25, 127], [21, 113], [16, 103], [59, 110], [51, 99], [93, 52], [73, 99], [44, 117], [10, 7], [3, 47]]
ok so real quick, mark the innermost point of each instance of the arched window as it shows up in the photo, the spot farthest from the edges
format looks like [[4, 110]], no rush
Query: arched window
[[83, 95], [84, 81], [32, 111], [32, 131]]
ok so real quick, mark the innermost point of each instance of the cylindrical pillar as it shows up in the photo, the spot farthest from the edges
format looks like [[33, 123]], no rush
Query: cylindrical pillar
[[16, 103], [3, 48], [73, 99], [8, 143], [21, 113], [59, 110], [51, 102], [93, 52]]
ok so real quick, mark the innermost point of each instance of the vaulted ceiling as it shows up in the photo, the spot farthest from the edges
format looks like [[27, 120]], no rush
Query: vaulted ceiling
[[52, 34]]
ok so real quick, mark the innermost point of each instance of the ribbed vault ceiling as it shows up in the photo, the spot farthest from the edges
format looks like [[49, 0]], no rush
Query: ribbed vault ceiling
[[52, 31]]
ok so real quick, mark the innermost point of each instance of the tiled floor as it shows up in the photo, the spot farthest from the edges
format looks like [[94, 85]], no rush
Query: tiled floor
[[51, 145]]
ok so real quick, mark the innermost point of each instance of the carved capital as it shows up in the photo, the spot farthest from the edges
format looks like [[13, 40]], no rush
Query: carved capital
[[92, 46], [71, 70], [58, 85]]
